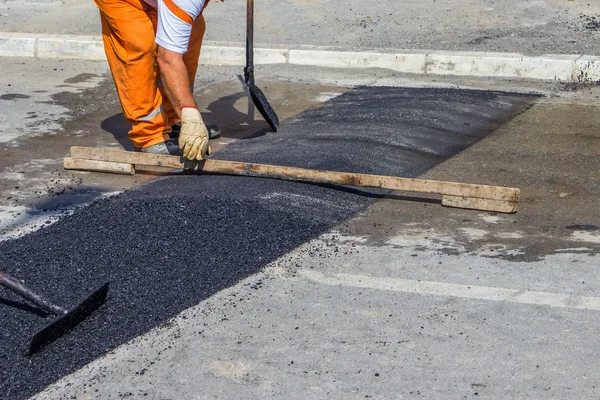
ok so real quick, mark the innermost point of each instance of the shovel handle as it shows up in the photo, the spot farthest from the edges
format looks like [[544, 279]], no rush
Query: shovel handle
[[17, 287], [249, 70]]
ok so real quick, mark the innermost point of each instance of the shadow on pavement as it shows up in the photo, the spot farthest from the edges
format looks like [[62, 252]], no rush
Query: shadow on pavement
[[118, 126], [233, 123], [22, 306]]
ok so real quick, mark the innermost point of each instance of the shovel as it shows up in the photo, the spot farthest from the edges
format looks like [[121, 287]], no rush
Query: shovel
[[67, 320], [257, 96]]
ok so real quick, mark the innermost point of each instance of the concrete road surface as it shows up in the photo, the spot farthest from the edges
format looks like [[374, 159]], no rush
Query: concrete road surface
[[530, 27], [401, 299]]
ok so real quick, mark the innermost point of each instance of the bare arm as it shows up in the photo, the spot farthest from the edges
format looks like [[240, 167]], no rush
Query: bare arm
[[175, 80]]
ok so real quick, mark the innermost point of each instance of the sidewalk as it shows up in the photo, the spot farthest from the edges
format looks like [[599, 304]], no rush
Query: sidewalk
[[466, 38], [509, 26]]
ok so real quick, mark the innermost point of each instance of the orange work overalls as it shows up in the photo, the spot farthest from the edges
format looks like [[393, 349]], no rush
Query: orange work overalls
[[128, 32]]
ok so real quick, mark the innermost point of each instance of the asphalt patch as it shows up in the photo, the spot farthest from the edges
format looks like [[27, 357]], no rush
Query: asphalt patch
[[170, 244]]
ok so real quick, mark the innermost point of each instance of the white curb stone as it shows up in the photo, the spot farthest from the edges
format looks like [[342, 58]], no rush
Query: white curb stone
[[17, 44], [221, 55], [570, 68], [405, 62], [501, 65], [586, 69], [71, 47]]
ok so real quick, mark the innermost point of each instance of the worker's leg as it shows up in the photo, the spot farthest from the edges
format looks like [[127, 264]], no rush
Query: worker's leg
[[128, 33], [191, 62]]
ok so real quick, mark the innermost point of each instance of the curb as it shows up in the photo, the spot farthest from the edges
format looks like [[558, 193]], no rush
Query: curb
[[570, 68]]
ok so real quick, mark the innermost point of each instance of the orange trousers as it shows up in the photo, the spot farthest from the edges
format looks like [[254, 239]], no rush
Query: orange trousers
[[128, 32]]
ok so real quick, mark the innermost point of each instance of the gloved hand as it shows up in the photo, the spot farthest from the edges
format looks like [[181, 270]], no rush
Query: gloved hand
[[193, 139]]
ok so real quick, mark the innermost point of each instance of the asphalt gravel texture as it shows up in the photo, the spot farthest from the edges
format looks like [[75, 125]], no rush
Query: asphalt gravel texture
[[170, 244]]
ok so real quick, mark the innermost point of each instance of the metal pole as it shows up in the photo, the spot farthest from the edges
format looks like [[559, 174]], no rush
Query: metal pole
[[249, 70]]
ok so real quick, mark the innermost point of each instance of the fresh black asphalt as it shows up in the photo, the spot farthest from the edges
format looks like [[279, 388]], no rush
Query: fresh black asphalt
[[170, 244]]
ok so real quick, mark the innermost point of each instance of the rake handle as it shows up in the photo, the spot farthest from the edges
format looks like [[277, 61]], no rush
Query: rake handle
[[17, 287]]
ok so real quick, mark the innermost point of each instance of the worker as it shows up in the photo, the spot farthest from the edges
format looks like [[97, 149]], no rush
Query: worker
[[153, 50]]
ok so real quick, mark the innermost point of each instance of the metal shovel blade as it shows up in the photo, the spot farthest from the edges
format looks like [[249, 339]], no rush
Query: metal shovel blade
[[263, 106], [258, 97], [68, 321]]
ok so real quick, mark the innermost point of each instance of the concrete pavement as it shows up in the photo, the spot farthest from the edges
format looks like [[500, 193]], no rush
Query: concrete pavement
[[176, 241], [550, 40], [342, 319], [405, 299], [531, 28]]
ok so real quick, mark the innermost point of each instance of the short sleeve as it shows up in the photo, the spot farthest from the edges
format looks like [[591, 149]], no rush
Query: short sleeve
[[175, 20]]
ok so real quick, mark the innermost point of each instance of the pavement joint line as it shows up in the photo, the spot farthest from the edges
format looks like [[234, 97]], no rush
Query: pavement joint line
[[560, 67], [472, 292]]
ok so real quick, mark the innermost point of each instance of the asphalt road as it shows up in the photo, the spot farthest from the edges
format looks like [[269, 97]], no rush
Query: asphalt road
[[172, 243]]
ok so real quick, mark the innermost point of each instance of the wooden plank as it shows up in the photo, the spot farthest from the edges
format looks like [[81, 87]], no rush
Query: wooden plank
[[99, 166], [474, 203], [363, 180], [454, 189], [128, 157]]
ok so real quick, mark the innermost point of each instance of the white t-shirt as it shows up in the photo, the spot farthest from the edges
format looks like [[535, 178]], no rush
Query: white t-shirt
[[173, 33]]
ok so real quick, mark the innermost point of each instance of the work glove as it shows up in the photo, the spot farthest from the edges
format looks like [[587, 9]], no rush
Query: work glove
[[193, 139]]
